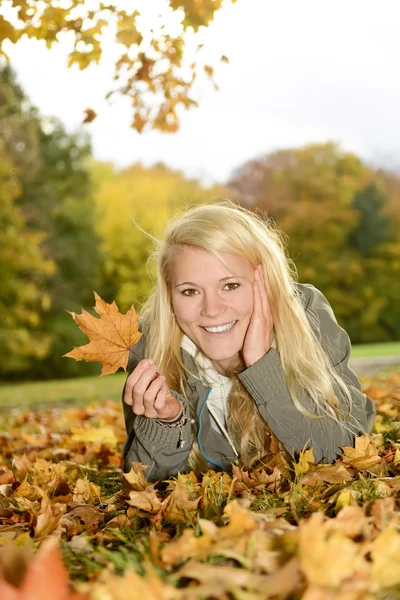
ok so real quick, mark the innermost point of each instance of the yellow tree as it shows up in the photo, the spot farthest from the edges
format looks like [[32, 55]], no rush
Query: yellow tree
[[148, 197], [23, 274], [154, 68]]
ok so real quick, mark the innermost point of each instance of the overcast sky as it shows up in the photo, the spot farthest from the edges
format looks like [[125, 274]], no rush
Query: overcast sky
[[299, 72]]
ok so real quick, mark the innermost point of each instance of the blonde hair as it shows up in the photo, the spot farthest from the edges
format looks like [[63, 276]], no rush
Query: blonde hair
[[225, 227]]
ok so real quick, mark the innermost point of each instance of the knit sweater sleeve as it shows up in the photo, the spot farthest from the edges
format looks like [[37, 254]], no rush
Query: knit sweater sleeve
[[265, 380]]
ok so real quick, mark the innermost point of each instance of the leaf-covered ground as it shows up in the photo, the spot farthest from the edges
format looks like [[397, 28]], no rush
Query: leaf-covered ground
[[312, 532]]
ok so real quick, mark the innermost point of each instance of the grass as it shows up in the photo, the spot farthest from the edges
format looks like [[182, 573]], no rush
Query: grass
[[371, 350], [79, 391]]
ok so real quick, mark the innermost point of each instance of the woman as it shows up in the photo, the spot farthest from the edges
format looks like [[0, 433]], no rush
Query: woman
[[235, 354]]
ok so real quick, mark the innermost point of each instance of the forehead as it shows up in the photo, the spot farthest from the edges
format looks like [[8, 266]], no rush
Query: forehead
[[200, 265]]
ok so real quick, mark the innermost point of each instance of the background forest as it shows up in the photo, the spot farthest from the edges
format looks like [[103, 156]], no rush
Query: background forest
[[67, 228]]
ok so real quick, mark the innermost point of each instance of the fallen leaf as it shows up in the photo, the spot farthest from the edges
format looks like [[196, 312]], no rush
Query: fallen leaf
[[305, 462], [327, 557], [48, 517], [136, 479], [364, 456], [111, 336], [94, 435], [327, 473], [43, 577], [385, 555], [86, 492]]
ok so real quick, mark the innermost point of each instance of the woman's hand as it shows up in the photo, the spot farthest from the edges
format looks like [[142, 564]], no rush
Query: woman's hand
[[148, 394], [257, 340]]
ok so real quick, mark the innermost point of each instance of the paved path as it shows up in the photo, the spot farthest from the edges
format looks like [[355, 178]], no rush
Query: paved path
[[374, 364]]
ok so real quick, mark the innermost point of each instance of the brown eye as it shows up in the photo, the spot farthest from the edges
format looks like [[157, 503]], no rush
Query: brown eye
[[188, 291], [235, 286]]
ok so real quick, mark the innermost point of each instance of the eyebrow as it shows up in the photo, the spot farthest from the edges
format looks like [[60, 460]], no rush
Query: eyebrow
[[223, 279]]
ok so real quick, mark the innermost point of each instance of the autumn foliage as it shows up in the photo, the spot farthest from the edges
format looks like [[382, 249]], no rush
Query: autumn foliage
[[278, 531], [111, 337], [152, 67]]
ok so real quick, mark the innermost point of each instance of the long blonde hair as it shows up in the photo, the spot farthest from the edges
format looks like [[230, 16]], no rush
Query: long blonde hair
[[225, 227]]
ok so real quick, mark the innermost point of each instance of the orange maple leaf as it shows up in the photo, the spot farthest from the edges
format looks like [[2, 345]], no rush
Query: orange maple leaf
[[111, 336], [44, 576]]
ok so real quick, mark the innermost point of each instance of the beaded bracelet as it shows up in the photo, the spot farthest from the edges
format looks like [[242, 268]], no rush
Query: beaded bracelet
[[175, 423]]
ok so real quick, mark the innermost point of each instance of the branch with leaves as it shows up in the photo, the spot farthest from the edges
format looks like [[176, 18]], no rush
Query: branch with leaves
[[153, 68]]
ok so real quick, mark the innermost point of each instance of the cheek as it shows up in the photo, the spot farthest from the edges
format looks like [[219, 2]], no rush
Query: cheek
[[244, 302], [183, 310]]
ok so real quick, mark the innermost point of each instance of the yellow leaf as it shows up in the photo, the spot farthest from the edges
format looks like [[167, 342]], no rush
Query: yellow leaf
[[364, 456], [327, 557], [146, 500], [111, 336], [85, 492], [99, 435], [305, 462], [386, 559], [129, 36], [136, 478]]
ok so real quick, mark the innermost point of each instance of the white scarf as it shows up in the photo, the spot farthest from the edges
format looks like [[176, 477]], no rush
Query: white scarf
[[217, 402]]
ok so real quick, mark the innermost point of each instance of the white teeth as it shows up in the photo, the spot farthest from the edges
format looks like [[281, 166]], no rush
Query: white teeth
[[220, 328]]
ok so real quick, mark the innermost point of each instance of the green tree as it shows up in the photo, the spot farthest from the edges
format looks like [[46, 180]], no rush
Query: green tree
[[149, 197], [23, 274], [323, 199], [55, 198], [154, 67], [373, 227]]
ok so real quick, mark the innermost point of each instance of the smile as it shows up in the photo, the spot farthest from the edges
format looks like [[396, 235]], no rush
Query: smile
[[220, 328]]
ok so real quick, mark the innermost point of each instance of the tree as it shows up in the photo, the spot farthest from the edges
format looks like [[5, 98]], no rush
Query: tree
[[55, 198], [335, 212], [149, 197], [373, 227], [157, 66], [23, 274]]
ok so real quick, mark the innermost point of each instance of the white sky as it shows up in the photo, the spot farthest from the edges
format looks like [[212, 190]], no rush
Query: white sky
[[300, 72]]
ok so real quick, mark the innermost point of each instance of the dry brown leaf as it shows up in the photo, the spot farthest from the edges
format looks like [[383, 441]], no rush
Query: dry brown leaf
[[382, 512], [364, 456], [217, 581], [90, 115], [352, 522], [146, 500], [178, 507], [48, 517], [327, 557], [111, 337], [136, 478], [241, 520], [86, 492], [336, 473], [41, 578], [82, 518], [132, 585], [386, 559]]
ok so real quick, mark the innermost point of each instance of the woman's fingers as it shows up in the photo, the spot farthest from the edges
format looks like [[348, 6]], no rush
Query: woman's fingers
[[133, 378], [150, 397], [140, 388], [263, 293], [258, 313], [161, 396]]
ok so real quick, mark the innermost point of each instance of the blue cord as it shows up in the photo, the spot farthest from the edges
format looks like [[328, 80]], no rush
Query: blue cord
[[210, 460]]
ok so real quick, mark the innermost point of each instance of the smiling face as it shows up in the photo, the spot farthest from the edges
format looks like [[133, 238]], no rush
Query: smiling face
[[212, 303]]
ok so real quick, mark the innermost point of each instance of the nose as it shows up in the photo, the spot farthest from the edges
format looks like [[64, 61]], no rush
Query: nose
[[213, 306]]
